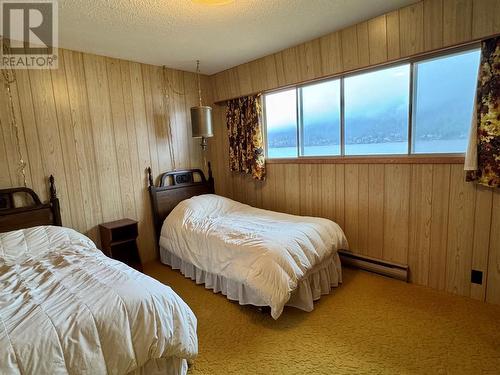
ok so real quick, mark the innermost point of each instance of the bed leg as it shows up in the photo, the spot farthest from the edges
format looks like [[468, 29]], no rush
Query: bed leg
[[264, 309]]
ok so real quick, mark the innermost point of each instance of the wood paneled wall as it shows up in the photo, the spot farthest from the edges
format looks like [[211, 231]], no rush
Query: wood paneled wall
[[423, 215], [96, 123], [425, 26]]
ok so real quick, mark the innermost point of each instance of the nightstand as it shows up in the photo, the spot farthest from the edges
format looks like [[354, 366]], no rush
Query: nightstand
[[119, 241]]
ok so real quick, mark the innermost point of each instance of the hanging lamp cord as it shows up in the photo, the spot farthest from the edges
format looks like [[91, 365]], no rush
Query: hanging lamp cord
[[203, 151], [199, 81], [9, 79], [167, 88]]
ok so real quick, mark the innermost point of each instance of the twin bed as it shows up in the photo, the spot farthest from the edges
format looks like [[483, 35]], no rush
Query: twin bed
[[67, 308], [252, 256]]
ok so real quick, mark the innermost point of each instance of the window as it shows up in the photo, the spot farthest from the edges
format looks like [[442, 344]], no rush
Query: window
[[318, 125], [376, 112], [281, 124], [443, 102], [369, 113], [321, 119]]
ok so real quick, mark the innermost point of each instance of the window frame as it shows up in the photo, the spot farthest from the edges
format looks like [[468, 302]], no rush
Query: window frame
[[414, 79], [264, 120], [410, 98], [410, 156], [300, 116]]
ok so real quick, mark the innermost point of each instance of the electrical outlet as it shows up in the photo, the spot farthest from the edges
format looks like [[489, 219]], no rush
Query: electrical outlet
[[476, 277]]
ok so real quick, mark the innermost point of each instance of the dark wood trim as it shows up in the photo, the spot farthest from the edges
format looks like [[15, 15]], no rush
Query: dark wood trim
[[54, 202], [393, 159], [174, 187], [13, 218]]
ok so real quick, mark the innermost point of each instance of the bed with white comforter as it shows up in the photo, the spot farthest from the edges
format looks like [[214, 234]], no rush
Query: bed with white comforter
[[254, 256], [66, 308]]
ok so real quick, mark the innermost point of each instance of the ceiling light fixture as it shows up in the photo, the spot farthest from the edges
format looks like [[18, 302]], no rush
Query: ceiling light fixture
[[213, 2]]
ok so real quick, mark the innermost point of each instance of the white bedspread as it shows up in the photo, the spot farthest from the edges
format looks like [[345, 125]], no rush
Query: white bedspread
[[267, 251], [65, 308]]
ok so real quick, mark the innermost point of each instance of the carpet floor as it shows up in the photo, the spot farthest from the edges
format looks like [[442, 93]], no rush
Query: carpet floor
[[369, 325]]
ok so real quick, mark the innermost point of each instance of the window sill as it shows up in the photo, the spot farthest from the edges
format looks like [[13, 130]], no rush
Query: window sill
[[389, 159]]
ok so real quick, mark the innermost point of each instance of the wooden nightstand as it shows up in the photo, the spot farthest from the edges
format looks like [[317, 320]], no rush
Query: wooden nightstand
[[119, 241]]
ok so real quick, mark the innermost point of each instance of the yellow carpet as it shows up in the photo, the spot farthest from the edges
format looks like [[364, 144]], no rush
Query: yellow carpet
[[370, 325]]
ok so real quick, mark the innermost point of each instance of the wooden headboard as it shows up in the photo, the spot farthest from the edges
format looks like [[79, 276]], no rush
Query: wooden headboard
[[37, 213], [175, 186]]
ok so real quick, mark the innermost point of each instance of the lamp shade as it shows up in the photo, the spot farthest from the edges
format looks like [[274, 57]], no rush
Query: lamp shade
[[201, 121]]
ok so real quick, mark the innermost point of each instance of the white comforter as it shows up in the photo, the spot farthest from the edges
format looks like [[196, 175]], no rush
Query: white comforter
[[65, 308], [267, 251]]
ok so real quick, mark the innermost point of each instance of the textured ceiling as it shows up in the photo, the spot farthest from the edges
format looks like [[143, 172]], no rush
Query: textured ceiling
[[176, 33]]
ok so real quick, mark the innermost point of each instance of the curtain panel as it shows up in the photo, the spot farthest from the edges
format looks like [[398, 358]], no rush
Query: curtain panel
[[246, 145], [483, 155]]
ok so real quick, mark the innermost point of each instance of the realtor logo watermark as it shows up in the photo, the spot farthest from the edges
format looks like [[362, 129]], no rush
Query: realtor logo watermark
[[30, 34]]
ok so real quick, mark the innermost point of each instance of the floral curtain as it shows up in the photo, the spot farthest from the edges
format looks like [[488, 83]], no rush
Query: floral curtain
[[483, 156], [246, 145]]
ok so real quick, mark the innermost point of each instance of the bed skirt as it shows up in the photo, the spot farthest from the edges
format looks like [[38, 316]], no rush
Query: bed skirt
[[319, 281], [163, 366]]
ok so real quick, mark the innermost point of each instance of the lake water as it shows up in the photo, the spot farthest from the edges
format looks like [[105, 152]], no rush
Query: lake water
[[390, 148]]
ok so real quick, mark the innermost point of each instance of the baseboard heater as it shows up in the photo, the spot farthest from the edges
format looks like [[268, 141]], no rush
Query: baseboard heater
[[382, 267]]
